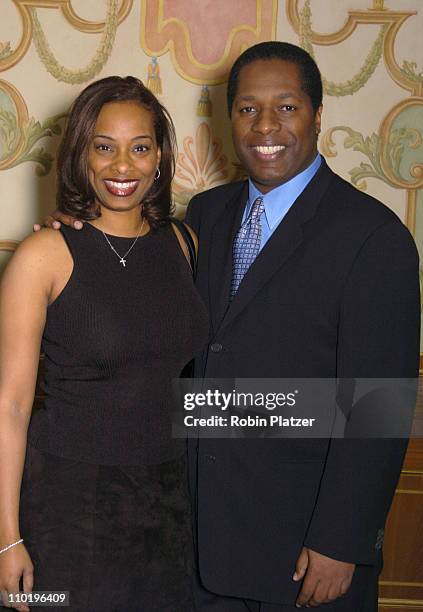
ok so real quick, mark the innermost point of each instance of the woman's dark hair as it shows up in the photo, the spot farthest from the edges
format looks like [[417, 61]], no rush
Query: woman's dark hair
[[75, 195], [311, 80]]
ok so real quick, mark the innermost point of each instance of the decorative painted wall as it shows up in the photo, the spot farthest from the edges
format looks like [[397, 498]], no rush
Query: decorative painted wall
[[369, 52]]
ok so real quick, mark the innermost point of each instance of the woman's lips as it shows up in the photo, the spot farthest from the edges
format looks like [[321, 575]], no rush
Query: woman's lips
[[122, 189]]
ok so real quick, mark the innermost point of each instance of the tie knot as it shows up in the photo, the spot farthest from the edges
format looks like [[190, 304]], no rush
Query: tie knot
[[257, 208]]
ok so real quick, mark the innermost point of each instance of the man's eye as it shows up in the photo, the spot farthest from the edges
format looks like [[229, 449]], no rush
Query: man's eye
[[248, 109], [288, 107]]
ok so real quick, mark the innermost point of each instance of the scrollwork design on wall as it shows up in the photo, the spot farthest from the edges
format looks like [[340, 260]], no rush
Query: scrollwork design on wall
[[389, 150], [24, 8], [377, 149], [364, 73], [5, 49], [372, 16], [395, 153], [59, 72], [34, 131], [406, 116], [409, 70], [14, 114], [19, 133]]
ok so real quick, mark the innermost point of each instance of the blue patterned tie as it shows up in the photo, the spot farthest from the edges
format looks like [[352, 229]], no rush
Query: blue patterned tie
[[246, 245]]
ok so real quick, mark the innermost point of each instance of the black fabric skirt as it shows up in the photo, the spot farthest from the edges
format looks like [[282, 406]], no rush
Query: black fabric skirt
[[117, 538]]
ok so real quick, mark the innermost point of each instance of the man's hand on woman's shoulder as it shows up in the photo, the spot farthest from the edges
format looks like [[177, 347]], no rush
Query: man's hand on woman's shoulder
[[55, 220]]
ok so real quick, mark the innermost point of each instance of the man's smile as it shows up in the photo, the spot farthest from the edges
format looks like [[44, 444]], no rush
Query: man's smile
[[269, 149]]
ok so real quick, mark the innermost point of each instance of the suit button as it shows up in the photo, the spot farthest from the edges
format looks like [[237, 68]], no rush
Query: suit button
[[216, 347], [210, 458]]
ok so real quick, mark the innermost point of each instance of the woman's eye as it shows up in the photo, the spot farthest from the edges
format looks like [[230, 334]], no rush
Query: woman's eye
[[140, 148], [103, 147]]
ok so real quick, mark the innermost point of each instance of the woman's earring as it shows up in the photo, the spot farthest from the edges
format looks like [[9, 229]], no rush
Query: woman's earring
[[157, 175]]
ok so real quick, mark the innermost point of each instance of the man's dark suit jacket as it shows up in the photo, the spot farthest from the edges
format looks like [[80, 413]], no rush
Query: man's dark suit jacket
[[333, 293]]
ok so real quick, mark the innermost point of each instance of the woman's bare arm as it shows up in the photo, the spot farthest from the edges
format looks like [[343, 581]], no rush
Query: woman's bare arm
[[25, 290]]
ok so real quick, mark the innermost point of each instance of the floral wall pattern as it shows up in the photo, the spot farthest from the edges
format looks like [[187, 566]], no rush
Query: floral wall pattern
[[369, 52]]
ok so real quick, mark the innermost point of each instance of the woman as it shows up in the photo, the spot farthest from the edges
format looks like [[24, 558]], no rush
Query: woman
[[104, 512]]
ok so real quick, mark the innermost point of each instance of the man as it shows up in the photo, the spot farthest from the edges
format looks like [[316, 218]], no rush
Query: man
[[304, 277], [331, 291]]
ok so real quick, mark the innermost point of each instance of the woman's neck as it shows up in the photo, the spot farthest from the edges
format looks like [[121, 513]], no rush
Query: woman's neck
[[125, 224]]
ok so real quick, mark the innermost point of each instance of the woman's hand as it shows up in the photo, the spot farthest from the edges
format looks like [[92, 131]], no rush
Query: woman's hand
[[56, 218], [15, 564]]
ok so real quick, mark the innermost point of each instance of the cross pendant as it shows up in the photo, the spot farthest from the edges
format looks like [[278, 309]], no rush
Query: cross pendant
[[123, 262]]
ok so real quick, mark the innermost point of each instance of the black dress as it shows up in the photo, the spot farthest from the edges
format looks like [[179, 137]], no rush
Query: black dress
[[104, 506]]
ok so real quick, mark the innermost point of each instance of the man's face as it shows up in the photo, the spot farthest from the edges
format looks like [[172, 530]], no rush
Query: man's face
[[274, 127]]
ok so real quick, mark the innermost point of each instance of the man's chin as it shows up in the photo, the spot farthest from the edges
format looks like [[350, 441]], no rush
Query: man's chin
[[265, 184]]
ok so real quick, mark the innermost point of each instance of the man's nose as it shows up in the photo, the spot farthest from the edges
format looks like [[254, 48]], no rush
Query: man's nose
[[266, 122]]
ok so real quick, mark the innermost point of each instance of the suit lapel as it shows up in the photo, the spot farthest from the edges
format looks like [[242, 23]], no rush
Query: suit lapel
[[220, 255], [283, 242]]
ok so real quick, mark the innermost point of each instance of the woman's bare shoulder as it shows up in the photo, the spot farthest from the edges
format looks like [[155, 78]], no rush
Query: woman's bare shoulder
[[41, 252], [47, 242]]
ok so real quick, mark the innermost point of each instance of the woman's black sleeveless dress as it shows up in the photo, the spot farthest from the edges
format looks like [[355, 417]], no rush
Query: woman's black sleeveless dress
[[104, 507]]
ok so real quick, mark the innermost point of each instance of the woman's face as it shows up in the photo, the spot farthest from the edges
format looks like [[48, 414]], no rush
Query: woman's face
[[123, 155]]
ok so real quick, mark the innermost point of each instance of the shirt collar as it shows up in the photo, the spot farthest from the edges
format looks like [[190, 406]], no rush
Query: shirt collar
[[278, 201]]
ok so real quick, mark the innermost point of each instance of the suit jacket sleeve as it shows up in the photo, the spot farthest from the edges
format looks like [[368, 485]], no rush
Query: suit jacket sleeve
[[378, 337]]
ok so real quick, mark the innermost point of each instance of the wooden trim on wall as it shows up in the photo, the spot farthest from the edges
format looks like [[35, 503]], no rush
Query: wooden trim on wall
[[401, 604]]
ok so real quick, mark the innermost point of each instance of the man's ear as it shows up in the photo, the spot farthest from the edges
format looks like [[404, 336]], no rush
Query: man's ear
[[318, 119]]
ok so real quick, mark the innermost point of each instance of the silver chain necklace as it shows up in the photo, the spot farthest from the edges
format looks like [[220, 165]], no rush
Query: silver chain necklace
[[122, 259]]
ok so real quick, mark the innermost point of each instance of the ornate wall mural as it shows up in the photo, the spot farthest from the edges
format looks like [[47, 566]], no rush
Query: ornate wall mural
[[13, 115], [19, 134], [400, 138], [181, 27], [202, 165], [31, 27], [93, 67]]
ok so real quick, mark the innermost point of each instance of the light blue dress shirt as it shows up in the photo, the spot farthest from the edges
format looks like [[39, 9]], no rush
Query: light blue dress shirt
[[279, 200]]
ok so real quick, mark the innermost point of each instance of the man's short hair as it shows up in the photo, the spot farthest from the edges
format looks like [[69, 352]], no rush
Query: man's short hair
[[311, 80]]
